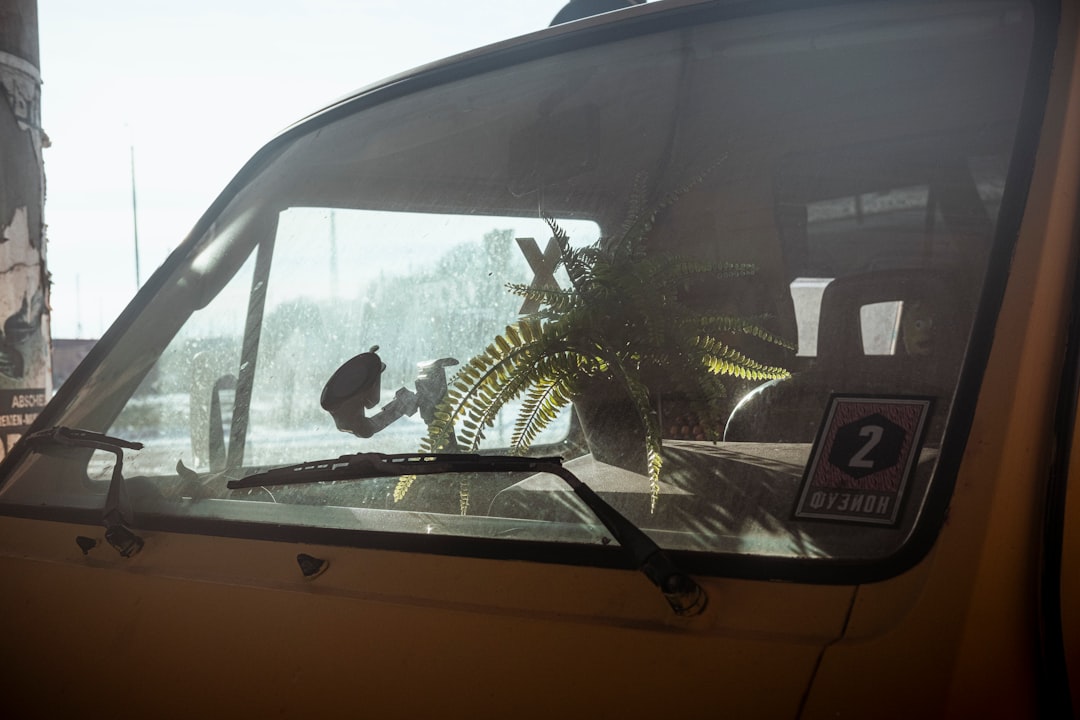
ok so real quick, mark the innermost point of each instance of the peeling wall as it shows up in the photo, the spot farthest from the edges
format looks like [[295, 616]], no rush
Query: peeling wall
[[24, 281]]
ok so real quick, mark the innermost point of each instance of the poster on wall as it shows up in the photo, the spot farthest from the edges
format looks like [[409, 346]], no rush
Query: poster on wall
[[18, 409]]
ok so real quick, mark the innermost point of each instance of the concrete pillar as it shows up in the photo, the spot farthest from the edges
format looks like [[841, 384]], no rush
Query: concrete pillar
[[25, 367]]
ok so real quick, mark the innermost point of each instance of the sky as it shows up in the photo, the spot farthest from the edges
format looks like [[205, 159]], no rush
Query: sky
[[195, 89]]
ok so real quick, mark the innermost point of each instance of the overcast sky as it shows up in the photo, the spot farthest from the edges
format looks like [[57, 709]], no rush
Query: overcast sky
[[196, 88]]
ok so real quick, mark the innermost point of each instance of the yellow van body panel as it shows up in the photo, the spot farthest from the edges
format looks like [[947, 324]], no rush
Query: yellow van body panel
[[200, 626], [196, 625]]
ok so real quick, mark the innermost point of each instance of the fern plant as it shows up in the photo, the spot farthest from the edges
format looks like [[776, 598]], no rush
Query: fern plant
[[625, 317]]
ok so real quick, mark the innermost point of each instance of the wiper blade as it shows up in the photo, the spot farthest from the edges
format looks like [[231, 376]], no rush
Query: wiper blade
[[375, 465], [117, 512], [684, 595]]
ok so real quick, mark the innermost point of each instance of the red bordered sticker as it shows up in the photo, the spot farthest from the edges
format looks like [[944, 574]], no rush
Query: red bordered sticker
[[863, 458]]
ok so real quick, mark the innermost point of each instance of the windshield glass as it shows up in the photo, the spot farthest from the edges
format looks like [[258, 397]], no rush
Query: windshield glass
[[727, 270]]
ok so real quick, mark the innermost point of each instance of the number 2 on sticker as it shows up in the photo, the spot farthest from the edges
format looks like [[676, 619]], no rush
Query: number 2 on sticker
[[874, 433]]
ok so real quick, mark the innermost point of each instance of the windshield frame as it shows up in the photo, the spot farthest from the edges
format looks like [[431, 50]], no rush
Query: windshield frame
[[643, 21]]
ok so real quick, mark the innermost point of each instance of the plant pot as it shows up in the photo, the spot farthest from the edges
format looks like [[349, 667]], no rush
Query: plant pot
[[611, 424]]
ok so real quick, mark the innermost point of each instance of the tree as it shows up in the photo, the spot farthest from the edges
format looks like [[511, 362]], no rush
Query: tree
[[25, 366]]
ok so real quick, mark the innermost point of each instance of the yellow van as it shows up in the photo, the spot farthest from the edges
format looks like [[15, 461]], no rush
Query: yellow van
[[708, 358]]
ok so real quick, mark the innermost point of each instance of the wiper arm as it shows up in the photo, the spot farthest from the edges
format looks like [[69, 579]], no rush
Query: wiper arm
[[684, 595], [117, 512]]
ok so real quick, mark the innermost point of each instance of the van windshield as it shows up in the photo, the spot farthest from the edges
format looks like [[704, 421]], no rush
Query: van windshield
[[727, 269]]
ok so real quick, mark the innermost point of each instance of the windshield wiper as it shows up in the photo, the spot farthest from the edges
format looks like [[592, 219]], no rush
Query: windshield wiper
[[684, 595], [117, 513]]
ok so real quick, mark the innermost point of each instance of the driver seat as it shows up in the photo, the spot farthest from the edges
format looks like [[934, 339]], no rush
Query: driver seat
[[926, 349]]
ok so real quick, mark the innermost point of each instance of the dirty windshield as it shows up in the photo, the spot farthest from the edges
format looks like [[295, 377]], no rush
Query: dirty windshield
[[727, 270]]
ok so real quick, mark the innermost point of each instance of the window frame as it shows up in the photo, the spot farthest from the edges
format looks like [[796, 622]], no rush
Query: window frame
[[546, 44]]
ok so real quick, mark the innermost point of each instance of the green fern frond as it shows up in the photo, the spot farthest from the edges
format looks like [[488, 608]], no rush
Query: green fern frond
[[677, 194], [655, 463], [635, 206], [711, 325], [478, 383], [722, 359], [634, 222], [542, 405], [552, 300], [517, 359], [639, 224], [403, 484], [577, 268], [463, 495], [639, 394]]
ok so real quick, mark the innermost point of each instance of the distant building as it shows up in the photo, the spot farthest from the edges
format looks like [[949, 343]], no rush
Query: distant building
[[66, 355]]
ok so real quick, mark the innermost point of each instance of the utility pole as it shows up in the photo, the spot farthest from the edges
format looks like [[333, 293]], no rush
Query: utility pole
[[135, 220], [25, 363]]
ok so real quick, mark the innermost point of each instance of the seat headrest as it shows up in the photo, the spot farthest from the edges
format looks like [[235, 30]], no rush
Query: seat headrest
[[934, 319]]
